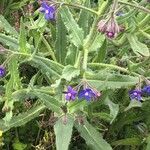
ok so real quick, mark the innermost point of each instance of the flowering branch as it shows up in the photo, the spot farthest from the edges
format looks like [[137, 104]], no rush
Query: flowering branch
[[135, 6]]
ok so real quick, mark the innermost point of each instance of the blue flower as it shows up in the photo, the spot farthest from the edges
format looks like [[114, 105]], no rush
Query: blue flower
[[2, 71], [135, 95], [87, 94], [49, 11], [70, 94], [146, 90]]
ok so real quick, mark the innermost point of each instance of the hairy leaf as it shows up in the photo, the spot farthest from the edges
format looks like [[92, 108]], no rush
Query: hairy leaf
[[63, 132]]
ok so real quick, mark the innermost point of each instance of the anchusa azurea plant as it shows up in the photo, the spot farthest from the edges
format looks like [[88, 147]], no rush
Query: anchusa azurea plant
[[69, 74]]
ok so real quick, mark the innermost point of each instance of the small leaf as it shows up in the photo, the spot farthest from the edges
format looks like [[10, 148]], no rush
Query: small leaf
[[114, 109], [92, 137], [128, 141], [63, 133], [138, 47], [70, 72], [133, 103]]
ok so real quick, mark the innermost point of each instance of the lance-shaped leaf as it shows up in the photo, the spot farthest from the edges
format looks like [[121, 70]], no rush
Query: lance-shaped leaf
[[63, 132], [138, 47], [22, 118], [22, 39], [84, 18], [61, 40], [107, 80], [75, 33], [92, 137]]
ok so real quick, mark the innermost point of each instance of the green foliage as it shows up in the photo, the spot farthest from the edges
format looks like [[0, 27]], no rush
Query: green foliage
[[43, 57]]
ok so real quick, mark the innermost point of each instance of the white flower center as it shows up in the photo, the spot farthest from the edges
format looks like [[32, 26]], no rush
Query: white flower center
[[69, 94], [86, 94], [47, 11], [135, 94]]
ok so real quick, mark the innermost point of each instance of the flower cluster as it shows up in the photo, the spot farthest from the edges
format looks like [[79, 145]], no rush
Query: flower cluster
[[137, 94], [109, 27], [2, 71], [86, 93], [48, 10]]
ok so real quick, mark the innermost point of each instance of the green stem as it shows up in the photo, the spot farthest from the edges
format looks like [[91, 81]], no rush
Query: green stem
[[112, 67], [78, 6], [135, 6], [89, 40]]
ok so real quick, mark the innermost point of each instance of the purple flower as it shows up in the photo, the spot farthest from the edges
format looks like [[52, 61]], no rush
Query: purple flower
[[2, 71], [110, 27], [135, 95], [70, 94], [146, 90], [49, 11], [87, 94]]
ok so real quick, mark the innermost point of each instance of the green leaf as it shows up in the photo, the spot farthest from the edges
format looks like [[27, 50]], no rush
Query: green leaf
[[50, 102], [84, 18], [128, 141], [100, 57], [76, 106], [17, 145], [22, 118], [14, 83], [61, 40], [133, 103], [106, 80], [114, 108], [92, 137], [148, 143], [22, 39], [9, 41], [138, 47], [70, 72], [47, 66], [4, 25], [97, 42], [71, 55], [63, 132], [75, 33]]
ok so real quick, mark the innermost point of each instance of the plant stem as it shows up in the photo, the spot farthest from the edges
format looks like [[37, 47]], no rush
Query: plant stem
[[89, 40], [78, 6], [135, 6], [112, 67]]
